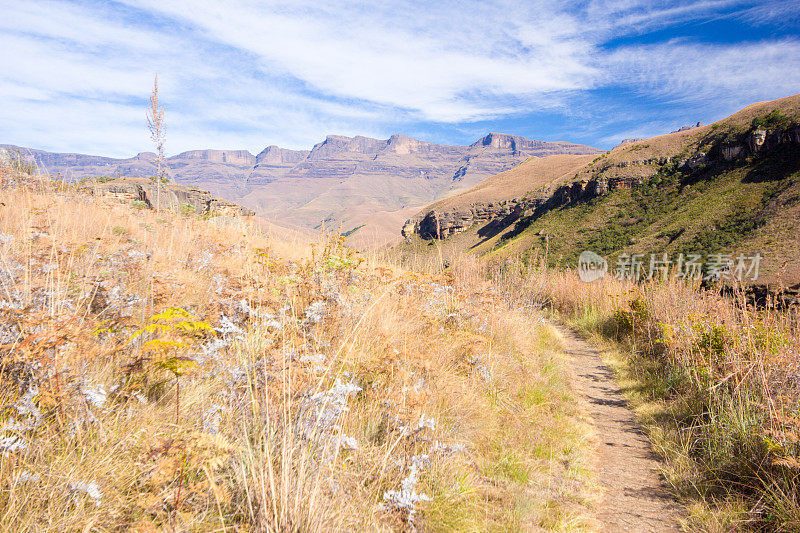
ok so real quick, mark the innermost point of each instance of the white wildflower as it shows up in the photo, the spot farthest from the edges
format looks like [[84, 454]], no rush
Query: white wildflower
[[348, 443], [316, 312], [219, 281], [316, 359], [95, 395], [270, 323], [213, 348], [321, 412], [138, 254], [12, 444], [227, 327], [406, 498], [10, 305], [246, 309], [426, 423], [204, 260], [6, 238], [26, 408], [448, 449], [26, 477], [89, 488]]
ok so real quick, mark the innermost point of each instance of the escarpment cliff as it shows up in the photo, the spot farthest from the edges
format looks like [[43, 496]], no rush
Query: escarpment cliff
[[439, 224], [341, 181]]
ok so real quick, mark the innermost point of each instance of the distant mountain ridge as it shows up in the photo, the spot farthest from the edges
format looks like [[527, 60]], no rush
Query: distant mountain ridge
[[340, 181]]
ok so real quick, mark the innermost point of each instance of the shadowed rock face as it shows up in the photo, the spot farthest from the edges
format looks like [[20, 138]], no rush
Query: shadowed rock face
[[340, 181], [442, 223]]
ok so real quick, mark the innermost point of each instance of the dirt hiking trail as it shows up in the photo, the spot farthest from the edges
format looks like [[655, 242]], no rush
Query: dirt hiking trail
[[635, 496]]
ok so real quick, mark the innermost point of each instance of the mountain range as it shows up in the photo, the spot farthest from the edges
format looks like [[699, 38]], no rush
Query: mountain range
[[346, 182]]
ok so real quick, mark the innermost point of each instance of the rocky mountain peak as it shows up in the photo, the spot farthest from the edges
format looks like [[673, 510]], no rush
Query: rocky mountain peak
[[230, 157], [334, 144], [502, 142], [400, 144], [275, 155]]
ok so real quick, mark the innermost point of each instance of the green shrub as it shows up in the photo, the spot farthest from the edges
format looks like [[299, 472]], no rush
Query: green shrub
[[772, 120]]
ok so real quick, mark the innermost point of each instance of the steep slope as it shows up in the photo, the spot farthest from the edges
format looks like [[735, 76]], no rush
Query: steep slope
[[728, 188], [495, 197], [340, 181]]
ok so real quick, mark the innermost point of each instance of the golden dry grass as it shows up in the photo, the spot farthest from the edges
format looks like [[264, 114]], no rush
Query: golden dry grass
[[170, 372], [714, 380]]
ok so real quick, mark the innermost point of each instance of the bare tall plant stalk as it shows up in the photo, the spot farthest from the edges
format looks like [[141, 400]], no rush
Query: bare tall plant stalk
[[155, 122]]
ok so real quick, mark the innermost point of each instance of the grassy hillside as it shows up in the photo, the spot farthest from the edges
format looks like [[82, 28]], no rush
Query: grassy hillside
[[714, 211], [690, 199], [173, 372], [533, 174]]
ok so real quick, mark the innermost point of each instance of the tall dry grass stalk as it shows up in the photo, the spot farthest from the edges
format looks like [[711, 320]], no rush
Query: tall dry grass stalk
[[158, 134]]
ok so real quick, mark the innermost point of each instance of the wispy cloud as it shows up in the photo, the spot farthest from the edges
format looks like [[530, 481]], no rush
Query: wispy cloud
[[75, 76], [699, 73], [443, 70]]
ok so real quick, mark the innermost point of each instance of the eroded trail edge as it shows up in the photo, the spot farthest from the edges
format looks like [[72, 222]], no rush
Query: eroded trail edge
[[635, 495]]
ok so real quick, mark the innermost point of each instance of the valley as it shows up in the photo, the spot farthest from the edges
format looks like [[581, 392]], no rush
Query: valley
[[341, 182]]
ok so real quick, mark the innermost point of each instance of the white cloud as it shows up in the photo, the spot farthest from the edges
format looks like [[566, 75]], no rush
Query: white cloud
[[691, 72], [632, 17], [405, 58], [247, 74]]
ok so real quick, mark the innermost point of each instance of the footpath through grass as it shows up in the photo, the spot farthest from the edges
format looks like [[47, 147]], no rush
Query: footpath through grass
[[715, 381]]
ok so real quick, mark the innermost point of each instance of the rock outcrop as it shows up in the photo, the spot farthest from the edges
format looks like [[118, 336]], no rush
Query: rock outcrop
[[171, 196], [441, 224], [758, 141], [436, 224], [687, 128], [629, 141]]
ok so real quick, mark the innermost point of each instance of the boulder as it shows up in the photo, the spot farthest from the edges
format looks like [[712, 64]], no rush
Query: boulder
[[756, 140]]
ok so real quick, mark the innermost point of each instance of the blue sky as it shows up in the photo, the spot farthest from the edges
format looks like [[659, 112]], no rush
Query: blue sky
[[239, 74]]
